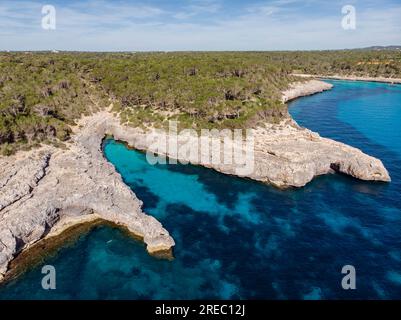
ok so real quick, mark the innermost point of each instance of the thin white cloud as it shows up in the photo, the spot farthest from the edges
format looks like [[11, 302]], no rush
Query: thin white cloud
[[197, 8], [117, 29]]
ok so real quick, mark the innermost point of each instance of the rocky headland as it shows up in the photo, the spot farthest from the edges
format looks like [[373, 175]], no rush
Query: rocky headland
[[302, 89], [46, 190]]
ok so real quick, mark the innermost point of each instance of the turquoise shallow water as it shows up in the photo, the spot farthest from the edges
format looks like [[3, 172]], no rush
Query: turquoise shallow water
[[240, 239]]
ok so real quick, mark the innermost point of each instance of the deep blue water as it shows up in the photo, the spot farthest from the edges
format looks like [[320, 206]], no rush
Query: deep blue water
[[241, 239]]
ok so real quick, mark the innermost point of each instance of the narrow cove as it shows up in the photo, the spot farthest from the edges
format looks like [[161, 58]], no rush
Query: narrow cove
[[243, 240]]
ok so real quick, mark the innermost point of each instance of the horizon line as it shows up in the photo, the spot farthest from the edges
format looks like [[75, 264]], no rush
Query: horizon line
[[373, 47]]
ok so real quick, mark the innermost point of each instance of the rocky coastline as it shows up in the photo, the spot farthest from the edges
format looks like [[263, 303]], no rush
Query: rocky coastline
[[45, 191]]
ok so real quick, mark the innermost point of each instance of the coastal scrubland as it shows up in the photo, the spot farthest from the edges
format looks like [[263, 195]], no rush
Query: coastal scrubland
[[43, 94], [357, 63]]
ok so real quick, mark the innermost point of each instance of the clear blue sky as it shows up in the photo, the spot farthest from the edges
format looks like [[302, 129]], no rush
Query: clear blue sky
[[138, 25]]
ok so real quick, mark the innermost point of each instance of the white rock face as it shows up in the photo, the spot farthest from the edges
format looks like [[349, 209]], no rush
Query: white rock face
[[301, 89], [41, 189], [45, 186], [285, 155]]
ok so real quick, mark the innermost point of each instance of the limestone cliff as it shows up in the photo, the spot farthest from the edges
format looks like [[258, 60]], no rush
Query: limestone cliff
[[42, 188]]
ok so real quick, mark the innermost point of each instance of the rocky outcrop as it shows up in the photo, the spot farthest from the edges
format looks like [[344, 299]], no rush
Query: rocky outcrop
[[41, 189], [302, 89], [285, 155]]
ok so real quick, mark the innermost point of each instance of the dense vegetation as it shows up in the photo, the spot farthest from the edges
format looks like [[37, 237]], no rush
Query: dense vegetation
[[43, 94], [363, 63], [198, 89], [40, 97]]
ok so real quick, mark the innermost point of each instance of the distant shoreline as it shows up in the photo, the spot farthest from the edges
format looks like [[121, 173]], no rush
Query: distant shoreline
[[351, 78]]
